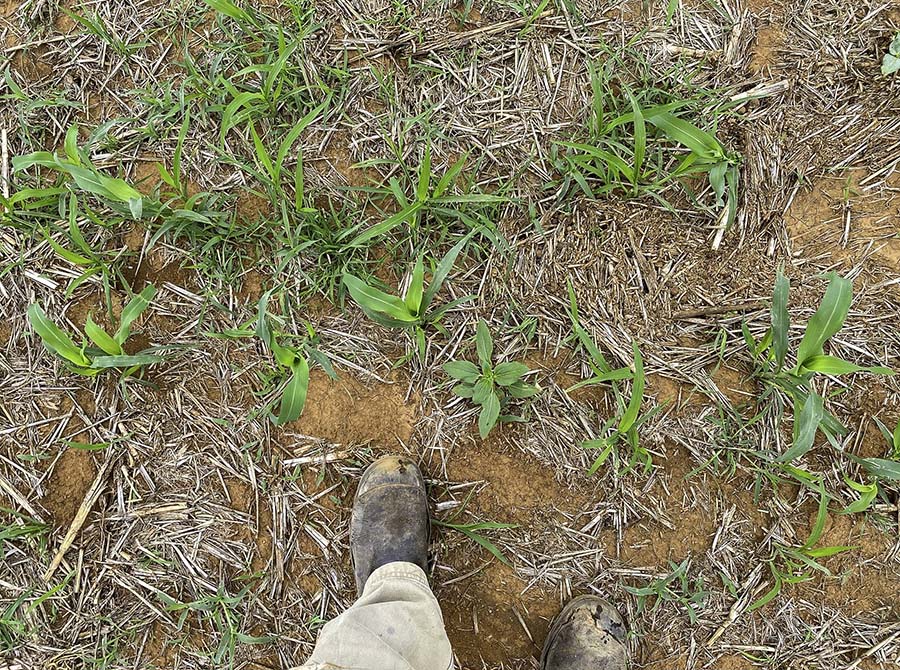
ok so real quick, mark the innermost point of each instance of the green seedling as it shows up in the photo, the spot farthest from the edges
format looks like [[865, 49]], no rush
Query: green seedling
[[108, 351], [293, 362], [792, 565], [83, 173], [492, 387], [796, 382], [414, 310], [472, 531], [640, 143], [675, 588], [622, 426], [435, 200], [891, 61], [222, 612]]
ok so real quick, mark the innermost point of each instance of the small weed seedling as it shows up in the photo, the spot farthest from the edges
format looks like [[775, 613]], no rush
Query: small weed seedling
[[437, 201], [491, 386], [623, 426], [792, 565], [108, 352], [414, 310], [472, 531], [771, 354], [675, 588], [293, 360], [891, 61]]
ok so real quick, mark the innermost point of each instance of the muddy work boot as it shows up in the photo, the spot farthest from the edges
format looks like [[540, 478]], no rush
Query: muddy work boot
[[390, 518], [587, 634]]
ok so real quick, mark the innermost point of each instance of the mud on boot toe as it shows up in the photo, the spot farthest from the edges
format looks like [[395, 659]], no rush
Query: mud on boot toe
[[588, 633]]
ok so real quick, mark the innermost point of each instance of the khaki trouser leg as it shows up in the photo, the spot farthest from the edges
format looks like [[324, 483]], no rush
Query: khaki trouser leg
[[395, 625]]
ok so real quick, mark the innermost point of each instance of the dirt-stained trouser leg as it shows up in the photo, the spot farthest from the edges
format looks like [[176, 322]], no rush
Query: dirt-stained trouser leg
[[395, 625]]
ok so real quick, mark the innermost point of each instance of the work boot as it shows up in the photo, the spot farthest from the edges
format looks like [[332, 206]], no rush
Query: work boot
[[588, 633], [390, 518]]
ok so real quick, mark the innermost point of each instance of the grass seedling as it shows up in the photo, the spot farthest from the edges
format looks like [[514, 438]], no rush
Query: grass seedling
[[413, 311], [108, 351], [797, 382], [676, 588], [622, 426], [221, 611], [792, 565], [437, 201], [472, 531], [492, 387], [640, 142], [293, 364]]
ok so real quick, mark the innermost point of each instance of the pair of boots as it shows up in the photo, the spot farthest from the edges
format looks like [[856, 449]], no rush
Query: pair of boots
[[390, 523]]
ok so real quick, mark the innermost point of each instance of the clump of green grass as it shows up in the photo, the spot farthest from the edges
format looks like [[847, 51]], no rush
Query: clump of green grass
[[413, 311], [293, 363], [108, 351], [797, 382], [493, 387], [676, 588], [645, 136], [621, 427]]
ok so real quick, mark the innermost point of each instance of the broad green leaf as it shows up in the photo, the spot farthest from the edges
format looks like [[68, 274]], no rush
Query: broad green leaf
[[490, 412], [70, 256], [464, 390], [294, 397], [463, 370], [781, 320], [828, 319], [819, 524], [100, 337], [126, 361], [53, 338], [890, 64], [373, 300], [520, 389], [416, 286], [637, 393], [770, 595], [881, 467], [509, 373], [868, 493], [832, 365], [484, 345], [808, 423], [228, 8], [71, 145], [698, 141], [132, 311], [483, 389]]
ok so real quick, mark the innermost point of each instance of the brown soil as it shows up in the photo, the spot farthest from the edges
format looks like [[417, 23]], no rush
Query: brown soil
[[67, 485], [817, 221], [490, 618], [243, 499], [768, 41], [347, 411]]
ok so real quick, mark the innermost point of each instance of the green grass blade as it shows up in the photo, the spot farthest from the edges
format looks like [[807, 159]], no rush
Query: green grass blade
[[53, 338], [373, 300], [385, 226], [443, 270], [100, 337], [132, 311], [827, 320], [637, 393], [294, 397], [416, 286], [640, 137], [808, 421], [781, 320]]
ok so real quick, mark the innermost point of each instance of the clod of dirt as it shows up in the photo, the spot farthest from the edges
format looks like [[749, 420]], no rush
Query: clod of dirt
[[346, 411], [72, 476]]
